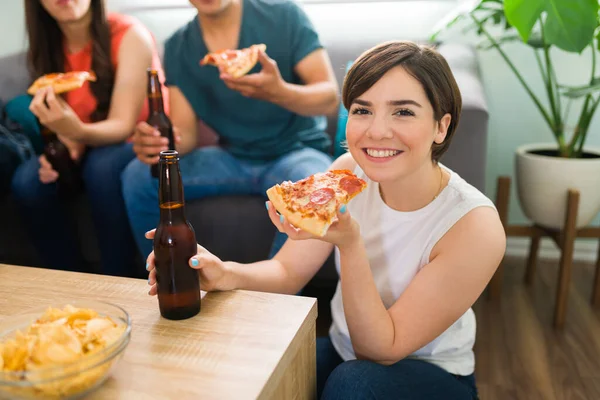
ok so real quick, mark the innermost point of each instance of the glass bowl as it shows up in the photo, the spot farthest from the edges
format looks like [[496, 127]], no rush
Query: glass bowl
[[68, 380]]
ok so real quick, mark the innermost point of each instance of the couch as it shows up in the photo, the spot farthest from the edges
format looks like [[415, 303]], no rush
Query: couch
[[237, 227]]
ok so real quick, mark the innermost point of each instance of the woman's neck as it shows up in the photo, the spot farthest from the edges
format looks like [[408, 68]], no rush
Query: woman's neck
[[77, 33], [415, 191]]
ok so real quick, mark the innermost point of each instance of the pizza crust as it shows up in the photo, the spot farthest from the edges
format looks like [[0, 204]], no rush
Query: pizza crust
[[311, 225]]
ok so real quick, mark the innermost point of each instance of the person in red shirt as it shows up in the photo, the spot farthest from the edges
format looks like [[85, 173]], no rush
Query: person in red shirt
[[95, 122]]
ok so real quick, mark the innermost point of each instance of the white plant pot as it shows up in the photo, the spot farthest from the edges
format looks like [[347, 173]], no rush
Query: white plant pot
[[543, 183]]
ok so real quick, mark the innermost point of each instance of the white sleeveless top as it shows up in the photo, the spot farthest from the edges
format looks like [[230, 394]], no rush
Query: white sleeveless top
[[398, 245]]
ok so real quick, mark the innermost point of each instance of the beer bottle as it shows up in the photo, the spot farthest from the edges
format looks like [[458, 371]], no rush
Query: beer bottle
[[69, 182], [156, 116], [178, 284]]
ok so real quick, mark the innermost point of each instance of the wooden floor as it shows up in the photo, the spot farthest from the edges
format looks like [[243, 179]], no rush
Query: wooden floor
[[519, 355]]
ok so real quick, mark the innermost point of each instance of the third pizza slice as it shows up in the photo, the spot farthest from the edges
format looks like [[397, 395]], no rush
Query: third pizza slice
[[236, 63], [311, 204]]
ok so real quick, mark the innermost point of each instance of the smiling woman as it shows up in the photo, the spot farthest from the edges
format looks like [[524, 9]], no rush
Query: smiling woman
[[414, 250]]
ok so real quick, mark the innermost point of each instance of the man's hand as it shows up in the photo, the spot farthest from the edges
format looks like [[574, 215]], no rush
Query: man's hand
[[54, 113], [264, 85], [148, 143]]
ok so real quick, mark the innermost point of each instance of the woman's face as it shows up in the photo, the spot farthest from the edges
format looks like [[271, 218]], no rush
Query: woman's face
[[391, 128], [64, 11]]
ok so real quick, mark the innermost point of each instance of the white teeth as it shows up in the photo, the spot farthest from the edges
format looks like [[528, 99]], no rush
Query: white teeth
[[382, 153]]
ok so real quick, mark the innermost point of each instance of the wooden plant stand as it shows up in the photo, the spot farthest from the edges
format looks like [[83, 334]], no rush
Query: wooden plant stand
[[563, 238]]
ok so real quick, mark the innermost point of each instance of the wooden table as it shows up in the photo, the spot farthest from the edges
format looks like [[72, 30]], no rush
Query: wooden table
[[242, 345]]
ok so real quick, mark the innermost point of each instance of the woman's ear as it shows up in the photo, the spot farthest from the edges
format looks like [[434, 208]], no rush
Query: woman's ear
[[442, 129]]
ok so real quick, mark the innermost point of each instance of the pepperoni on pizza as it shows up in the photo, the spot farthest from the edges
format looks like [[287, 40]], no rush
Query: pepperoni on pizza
[[311, 204]]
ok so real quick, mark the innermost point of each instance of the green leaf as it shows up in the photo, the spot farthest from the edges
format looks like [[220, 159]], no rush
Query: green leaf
[[523, 14], [455, 15], [574, 92], [570, 24]]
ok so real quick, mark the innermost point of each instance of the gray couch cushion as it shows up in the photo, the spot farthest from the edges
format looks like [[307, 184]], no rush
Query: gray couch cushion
[[14, 77]]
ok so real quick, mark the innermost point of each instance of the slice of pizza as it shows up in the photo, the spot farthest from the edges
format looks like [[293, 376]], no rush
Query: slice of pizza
[[236, 63], [62, 82], [311, 203]]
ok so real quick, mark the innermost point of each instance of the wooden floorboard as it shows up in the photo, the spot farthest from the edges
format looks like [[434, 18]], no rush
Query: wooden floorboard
[[519, 354]]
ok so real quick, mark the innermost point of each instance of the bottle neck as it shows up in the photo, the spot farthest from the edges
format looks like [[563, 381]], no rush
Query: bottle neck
[[155, 103], [170, 192], [155, 99]]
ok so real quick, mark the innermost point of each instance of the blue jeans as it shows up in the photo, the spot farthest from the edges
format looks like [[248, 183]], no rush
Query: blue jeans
[[212, 171], [50, 227], [405, 380]]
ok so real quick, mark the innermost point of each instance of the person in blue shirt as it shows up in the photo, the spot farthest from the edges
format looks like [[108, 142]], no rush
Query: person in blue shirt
[[270, 123]]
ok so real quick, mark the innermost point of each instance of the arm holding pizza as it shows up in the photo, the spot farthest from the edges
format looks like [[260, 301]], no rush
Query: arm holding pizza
[[135, 55], [317, 96]]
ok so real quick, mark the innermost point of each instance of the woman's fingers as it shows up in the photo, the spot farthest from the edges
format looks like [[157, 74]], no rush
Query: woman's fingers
[[150, 262], [153, 290], [283, 225], [152, 277]]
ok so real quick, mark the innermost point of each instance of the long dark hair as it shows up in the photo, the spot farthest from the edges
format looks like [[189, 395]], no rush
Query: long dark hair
[[46, 55], [425, 64]]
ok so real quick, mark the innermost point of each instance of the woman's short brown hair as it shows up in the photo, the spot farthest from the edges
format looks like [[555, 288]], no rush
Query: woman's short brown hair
[[425, 64]]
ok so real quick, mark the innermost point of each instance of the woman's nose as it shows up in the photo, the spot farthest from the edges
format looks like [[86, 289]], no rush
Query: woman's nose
[[379, 129]]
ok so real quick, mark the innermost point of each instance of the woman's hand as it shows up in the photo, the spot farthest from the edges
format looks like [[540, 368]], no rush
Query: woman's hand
[[343, 232], [47, 173], [55, 114], [214, 274]]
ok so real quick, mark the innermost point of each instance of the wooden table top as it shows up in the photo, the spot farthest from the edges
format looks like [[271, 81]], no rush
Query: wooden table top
[[230, 350]]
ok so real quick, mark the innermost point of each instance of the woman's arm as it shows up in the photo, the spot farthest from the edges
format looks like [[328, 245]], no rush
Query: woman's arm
[[129, 91], [462, 263], [288, 272]]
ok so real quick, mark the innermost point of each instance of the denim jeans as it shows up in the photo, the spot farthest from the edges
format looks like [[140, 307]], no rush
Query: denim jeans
[[408, 379], [212, 171], [50, 227]]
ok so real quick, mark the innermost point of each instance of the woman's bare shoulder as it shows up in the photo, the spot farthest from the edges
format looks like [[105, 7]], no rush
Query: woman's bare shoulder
[[345, 161]]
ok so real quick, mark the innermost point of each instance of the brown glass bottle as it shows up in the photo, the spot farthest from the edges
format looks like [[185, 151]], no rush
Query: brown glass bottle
[[156, 113], [178, 284], [69, 182]]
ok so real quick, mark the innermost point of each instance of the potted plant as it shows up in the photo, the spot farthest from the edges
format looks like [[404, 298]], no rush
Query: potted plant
[[545, 171]]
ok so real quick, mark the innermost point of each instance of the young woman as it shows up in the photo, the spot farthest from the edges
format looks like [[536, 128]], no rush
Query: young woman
[[94, 122], [414, 250]]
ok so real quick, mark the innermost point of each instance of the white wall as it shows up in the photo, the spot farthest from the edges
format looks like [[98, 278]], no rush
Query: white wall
[[12, 27]]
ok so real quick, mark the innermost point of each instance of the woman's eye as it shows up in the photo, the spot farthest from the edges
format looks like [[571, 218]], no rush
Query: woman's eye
[[405, 112], [360, 111]]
